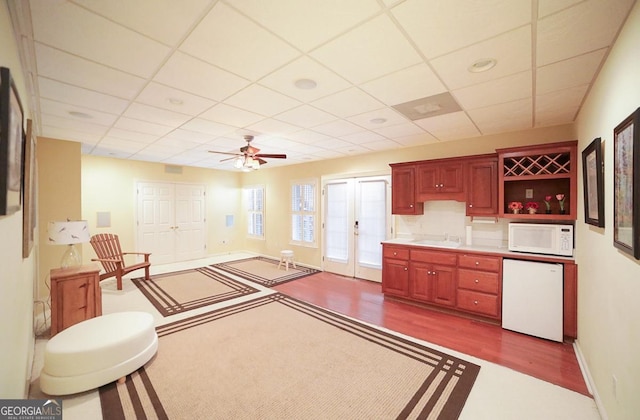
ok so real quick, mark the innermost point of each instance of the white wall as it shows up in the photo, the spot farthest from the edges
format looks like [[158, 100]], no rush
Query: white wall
[[608, 280], [16, 275]]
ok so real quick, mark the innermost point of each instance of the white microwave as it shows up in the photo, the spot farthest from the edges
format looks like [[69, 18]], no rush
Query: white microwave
[[551, 239]]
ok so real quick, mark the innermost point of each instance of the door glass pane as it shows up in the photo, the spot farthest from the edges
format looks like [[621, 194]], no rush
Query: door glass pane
[[371, 222], [336, 223]]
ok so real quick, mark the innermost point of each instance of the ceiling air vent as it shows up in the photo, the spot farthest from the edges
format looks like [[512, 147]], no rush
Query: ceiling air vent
[[431, 106]]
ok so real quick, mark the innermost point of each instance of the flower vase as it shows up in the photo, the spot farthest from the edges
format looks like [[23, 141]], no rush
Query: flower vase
[[515, 211], [548, 211], [562, 211], [532, 211]]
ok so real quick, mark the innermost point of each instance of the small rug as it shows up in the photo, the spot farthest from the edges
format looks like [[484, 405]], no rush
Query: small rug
[[181, 291], [264, 271], [278, 357]]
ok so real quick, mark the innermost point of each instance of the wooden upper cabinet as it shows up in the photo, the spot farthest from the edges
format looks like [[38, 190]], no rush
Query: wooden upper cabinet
[[482, 186], [403, 190], [530, 173], [440, 181]]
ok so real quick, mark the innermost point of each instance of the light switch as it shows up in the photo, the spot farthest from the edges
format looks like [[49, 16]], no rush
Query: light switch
[[528, 193]]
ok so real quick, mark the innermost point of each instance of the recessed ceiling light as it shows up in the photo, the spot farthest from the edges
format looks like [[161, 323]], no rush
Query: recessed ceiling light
[[305, 84], [483, 65], [378, 120], [175, 101], [80, 114]]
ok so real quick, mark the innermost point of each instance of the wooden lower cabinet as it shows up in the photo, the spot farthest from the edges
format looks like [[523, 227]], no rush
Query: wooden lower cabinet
[[75, 296], [432, 283], [395, 271], [479, 286]]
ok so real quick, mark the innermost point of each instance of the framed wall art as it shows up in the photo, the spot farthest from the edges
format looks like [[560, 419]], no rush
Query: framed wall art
[[593, 180], [11, 145], [29, 194], [626, 185]]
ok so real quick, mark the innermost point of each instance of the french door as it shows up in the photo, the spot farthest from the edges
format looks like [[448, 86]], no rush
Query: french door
[[171, 221], [357, 218]]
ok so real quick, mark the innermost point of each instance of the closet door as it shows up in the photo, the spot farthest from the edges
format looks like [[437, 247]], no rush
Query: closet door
[[171, 221]]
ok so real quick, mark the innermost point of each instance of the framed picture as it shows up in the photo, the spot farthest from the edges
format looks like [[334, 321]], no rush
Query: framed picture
[[626, 185], [29, 193], [593, 177], [11, 145]]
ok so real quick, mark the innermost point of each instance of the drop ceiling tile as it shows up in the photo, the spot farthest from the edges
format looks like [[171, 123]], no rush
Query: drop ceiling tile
[[85, 98], [505, 89], [106, 152], [363, 137], [572, 32], [195, 76], [511, 50], [233, 42], [272, 126], [328, 154], [439, 27], [308, 137], [335, 144], [194, 136], [574, 71], [305, 116], [308, 24], [501, 118], [283, 80], [548, 7], [415, 140], [231, 115], [371, 50], [559, 107], [134, 136], [74, 124], [337, 128], [66, 68], [452, 126], [405, 85], [261, 100], [121, 145], [84, 36], [381, 145], [164, 20], [151, 155], [145, 127], [70, 134], [399, 130], [208, 127], [60, 109], [347, 103], [156, 115], [368, 119], [172, 99], [352, 150]]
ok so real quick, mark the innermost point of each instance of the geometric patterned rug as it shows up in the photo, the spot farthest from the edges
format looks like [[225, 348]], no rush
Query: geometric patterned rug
[[278, 357], [181, 291], [264, 271]]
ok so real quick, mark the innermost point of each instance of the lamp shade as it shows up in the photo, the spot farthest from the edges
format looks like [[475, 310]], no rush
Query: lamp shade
[[68, 232]]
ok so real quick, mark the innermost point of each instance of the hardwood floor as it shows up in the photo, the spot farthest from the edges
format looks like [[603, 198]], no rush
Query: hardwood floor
[[547, 360]]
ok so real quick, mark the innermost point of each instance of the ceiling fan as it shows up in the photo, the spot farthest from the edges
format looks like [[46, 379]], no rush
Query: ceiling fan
[[249, 157]]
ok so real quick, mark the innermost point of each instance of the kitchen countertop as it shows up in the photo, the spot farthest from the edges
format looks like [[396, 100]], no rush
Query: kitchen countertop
[[501, 251]]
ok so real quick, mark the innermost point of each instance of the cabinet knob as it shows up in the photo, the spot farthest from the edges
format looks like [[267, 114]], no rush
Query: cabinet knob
[[410, 206], [436, 185], [405, 269], [470, 205], [477, 281], [441, 185], [395, 253], [477, 262], [475, 302]]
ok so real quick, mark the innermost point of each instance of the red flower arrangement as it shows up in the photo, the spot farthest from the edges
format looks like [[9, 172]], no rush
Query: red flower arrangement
[[515, 206], [531, 205]]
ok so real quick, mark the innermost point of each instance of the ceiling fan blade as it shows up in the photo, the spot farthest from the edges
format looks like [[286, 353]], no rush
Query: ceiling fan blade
[[271, 156], [230, 158], [225, 153], [249, 149], [261, 161]]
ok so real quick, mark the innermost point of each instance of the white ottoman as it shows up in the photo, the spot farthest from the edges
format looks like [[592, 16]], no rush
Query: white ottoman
[[97, 351], [286, 258]]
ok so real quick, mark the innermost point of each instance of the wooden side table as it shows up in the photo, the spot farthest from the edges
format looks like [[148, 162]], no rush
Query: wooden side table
[[75, 296]]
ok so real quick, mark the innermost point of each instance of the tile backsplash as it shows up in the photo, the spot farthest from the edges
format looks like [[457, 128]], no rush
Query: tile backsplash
[[448, 217]]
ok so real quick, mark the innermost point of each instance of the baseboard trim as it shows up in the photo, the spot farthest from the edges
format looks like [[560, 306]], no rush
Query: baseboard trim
[[588, 379]]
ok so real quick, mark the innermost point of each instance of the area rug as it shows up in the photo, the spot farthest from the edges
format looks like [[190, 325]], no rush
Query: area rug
[[181, 291], [276, 357], [264, 270]]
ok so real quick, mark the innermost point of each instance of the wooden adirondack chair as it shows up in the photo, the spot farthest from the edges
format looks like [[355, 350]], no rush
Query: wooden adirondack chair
[[107, 247]]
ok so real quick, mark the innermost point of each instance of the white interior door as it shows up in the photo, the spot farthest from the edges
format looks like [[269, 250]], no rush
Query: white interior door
[[356, 220], [171, 221]]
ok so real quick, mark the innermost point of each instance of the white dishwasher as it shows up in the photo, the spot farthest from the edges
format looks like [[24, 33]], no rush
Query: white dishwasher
[[532, 298]]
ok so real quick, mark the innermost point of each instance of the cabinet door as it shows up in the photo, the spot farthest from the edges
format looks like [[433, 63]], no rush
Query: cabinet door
[[482, 187], [428, 180], [421, 282], [444, 285], [395, 277], [76, 301], [451, 178], [403, 191]]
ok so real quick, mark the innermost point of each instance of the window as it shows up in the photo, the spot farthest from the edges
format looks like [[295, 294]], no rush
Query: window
[[303, 212], [254, 197]]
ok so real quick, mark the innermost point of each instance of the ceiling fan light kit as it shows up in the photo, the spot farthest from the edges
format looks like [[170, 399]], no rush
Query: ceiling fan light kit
[[249, 157]]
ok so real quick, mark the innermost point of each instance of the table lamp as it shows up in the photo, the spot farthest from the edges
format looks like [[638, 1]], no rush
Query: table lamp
[[69, 232]]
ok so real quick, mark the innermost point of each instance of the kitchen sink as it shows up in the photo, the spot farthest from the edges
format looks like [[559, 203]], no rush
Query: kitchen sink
[[438, 243]]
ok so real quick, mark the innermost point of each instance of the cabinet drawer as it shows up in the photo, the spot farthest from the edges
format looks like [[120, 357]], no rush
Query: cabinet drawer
[[480, 262], [395, 252], [424, 255], [481, 281], [480, 303]]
